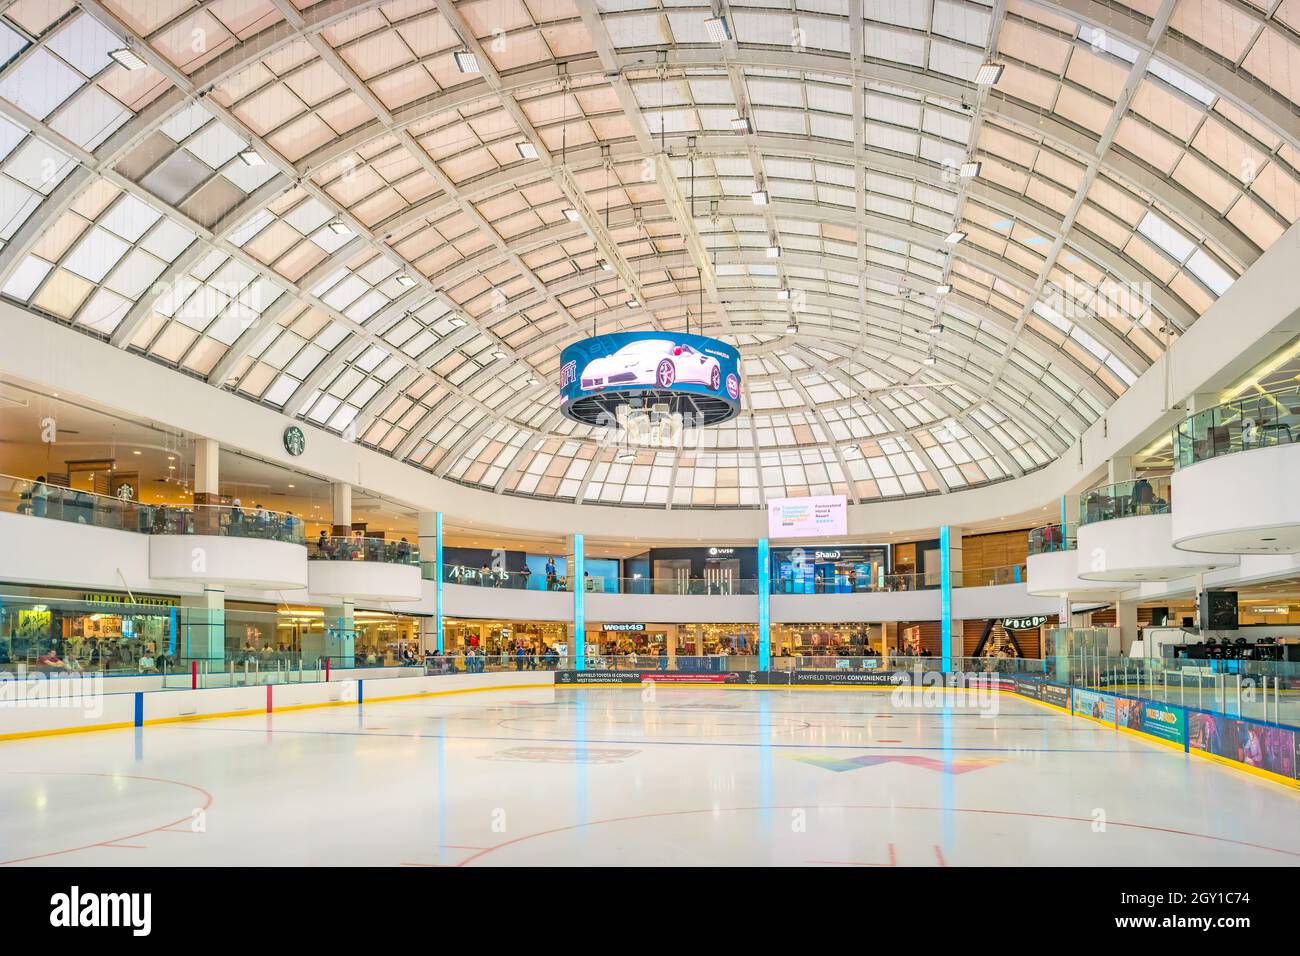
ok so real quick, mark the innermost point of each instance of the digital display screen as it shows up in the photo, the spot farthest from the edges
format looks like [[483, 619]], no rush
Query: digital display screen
[[653, 362], [823, 516]]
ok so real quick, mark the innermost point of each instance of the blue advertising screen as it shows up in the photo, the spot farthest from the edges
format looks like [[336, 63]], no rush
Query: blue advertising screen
[[704, 371]]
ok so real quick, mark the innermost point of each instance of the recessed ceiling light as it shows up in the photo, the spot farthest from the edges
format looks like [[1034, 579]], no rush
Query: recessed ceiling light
[[954, 237], [773, 251], [128, 58], [405, 280], [989, 73], [137, 452], [339, 227], [291, 486], [466, 61], [970, 169], [717, 29], [252, 157], [742, 125], [526, 150], [942, 289], [760, 197]]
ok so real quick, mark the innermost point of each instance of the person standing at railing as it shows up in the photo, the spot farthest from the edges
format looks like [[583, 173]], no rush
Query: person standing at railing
[[524, 574], [39, 495], [551, 574]]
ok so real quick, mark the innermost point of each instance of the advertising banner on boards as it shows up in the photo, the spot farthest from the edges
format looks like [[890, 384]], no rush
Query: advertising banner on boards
[[1056, 695], [1092, 704], [1262, 746]]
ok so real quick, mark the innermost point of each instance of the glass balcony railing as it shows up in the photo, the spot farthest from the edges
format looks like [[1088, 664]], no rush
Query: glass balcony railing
[[987, 577], [43, 500], [353, 548], [1243, 424], [1126, 499], [1053, 537], [228, 521]]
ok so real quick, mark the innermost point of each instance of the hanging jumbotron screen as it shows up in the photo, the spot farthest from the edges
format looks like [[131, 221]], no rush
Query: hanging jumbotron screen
[[695, 376]]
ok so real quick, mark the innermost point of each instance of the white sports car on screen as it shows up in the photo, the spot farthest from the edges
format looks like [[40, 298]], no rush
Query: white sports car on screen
[[661, 363]]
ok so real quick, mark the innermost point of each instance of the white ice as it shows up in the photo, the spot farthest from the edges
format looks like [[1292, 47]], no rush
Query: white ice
[[604, 776]]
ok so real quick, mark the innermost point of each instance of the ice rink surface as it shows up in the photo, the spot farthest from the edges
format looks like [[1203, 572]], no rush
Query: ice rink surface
[[692, 776]]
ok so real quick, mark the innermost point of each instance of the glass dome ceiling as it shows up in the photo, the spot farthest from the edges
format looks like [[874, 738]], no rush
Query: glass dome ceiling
[[387, 219]]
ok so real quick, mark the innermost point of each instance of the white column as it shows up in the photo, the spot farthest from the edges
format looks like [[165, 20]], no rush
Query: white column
[[1119, 468], [207, 453], [341, 503], [1127, 619]]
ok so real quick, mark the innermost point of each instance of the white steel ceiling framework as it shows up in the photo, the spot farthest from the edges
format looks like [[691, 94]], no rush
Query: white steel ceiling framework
[[389, 218]]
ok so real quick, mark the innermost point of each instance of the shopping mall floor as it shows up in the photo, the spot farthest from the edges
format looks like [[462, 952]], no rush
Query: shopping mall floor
[[606, 776]]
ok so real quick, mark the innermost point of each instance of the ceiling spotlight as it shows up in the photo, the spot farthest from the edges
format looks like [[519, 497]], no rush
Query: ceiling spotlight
[[936, 329], [572, 214], [405, 281], [969, 169], [136, 452], [792, 327], [252, 157], [760, 197], [466, 61], [606, 265], [532, 381], [526, 150], [954, 237], [742, 125], [928, 360], [339, 227], [128, 58], [942, 289], [783, 294], [989, 73], [717, 29], [773, 251], [625, 454], [633, 302], [499, 355], [457, 323]]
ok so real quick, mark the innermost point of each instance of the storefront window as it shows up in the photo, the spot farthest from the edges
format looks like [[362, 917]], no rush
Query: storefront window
[[106, 632]]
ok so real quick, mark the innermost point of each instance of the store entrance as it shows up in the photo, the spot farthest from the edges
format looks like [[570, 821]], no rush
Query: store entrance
[[672, 576], [722, 577]]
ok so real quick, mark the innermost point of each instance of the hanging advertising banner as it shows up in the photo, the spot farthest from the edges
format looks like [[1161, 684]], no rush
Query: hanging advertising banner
[[822, 516], [695, 376]]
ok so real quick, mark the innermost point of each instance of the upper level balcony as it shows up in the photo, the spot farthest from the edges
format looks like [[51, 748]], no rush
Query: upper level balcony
[[360, 568], [212, 544], [1125, 535], [1236, 474], [1054, 564]]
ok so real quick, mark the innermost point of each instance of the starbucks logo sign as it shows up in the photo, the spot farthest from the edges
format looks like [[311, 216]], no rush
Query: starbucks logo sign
[[295, 442]]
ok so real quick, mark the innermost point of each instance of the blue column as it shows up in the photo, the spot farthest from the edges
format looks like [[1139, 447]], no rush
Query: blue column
[[577, 573], [1063, 531], [437, 576], [945, 597], [764, 606]]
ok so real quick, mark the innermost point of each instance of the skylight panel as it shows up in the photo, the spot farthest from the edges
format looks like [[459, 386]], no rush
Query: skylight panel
[[1181, 81], [1216, 278], [1166, 237]]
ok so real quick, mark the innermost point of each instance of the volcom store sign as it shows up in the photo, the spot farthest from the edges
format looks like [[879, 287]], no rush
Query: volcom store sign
[[1024, 623]]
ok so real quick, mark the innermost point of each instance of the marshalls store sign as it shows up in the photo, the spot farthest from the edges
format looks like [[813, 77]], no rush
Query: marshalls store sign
[[75, 908]]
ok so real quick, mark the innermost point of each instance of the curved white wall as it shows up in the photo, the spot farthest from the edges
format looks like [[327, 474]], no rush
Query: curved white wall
[[1056, 574], [1138, 549], [237, 562], [364, 580], [504, 604], [1244, 503]]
